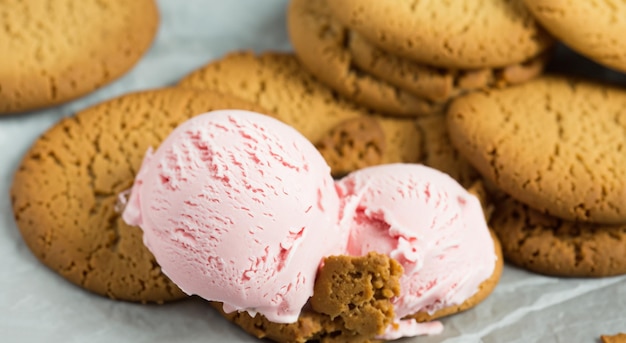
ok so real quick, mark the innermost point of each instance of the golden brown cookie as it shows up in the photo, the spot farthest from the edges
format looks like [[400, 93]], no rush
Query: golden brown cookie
[[351, 303], [617, 338], [65, 191], [592, 28], [437, 84], [477, 34], [554, 143], [552, 246], [321, 44], [55, 51], [353, 144], [439, 153], [278, 83], [357, 143]]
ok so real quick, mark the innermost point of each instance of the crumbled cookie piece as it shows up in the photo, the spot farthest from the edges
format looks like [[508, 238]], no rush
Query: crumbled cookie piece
[[353, 144], [618, 338], [351, 303]]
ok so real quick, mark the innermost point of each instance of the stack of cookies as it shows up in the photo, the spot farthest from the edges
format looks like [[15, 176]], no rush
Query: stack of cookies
[[409, 59], [553, 150], [455, 87], [550, 148], [66, 189]]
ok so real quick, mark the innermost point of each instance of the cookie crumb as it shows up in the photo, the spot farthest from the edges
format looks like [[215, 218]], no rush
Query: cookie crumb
[[351, 303], [618, 338]]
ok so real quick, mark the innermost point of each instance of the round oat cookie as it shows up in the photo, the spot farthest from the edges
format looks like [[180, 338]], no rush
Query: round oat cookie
[[471, 34], [433, 83], [55, 51], [321, 44], [279, 83], [556, 247], [554, 143], [592, 28], [65, 191]]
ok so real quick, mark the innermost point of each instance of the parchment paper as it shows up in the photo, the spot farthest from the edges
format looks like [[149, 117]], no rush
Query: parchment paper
[[36, 305]]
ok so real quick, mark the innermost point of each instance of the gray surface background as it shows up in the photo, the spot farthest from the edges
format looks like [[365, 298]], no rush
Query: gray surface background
[[36, 305]]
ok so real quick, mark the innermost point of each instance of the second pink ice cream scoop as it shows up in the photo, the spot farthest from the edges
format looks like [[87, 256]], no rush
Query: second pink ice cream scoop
[[431, 225]]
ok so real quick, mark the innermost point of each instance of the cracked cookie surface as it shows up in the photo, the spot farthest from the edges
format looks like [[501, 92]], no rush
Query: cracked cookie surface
[[592, 28], [55, 51], [65, 191], [480, 33], [321, 43], [556, 247], [555, 143], [351, 303]]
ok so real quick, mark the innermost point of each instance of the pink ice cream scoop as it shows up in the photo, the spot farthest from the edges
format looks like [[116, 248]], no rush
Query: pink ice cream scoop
[[431, 225], [238, 207]]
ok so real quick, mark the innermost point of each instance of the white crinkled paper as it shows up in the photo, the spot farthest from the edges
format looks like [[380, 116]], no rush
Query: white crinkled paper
[[36, 305]]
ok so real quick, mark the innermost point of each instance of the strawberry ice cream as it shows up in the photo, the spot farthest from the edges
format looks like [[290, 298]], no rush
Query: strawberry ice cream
[[431, 225], [238, 208]]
